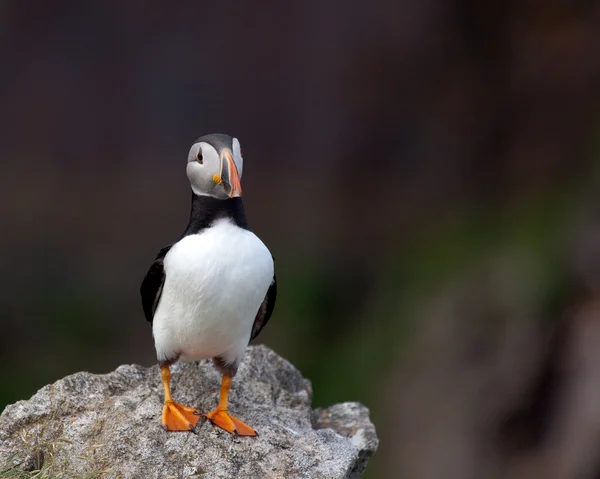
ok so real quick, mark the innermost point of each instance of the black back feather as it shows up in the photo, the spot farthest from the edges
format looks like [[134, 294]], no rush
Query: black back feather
[[265, 311]]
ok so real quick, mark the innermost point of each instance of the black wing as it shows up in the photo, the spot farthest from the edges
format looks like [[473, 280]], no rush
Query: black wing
[[266, 310], [152, 285]]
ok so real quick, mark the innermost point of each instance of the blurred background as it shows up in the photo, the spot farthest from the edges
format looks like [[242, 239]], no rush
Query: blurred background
[[425, 173]]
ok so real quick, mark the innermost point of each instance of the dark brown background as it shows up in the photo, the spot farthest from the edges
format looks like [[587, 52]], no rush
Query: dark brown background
[[425, 174]]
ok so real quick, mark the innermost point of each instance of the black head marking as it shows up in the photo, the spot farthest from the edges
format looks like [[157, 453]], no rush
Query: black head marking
[[217, 140]]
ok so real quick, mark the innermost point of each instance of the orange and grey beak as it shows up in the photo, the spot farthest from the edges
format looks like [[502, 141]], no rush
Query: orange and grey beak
[[230, 175]]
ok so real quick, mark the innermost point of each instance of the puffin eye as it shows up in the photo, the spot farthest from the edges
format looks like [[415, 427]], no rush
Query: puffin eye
[[199, 157]]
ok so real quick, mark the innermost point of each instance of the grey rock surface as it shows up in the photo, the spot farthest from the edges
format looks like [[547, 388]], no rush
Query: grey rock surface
[[108, 426]]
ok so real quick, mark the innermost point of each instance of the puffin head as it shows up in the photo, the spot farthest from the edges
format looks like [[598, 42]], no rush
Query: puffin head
[[214, 166]]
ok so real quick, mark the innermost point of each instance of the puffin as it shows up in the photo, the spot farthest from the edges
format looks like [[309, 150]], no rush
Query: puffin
[[211, 292]]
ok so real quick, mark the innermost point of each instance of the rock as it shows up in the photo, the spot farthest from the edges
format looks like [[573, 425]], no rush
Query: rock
[[108, 426]]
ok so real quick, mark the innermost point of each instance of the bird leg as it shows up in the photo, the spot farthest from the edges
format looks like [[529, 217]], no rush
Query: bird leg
[[221, 418], [176, 417]]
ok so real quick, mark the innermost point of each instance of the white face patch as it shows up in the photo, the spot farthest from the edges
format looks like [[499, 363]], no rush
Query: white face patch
[[237, 156], [203, 164]]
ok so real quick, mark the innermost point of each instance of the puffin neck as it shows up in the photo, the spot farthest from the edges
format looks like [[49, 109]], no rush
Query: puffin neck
[[207, 209]]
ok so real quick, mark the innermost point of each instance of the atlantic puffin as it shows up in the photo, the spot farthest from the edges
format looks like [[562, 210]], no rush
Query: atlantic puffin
[[211, 292]]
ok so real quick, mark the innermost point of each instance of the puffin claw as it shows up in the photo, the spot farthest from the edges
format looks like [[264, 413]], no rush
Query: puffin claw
[[176, 417], [221, 418]]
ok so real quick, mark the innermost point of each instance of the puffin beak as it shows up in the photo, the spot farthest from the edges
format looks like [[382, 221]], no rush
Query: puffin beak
[[230, 175]]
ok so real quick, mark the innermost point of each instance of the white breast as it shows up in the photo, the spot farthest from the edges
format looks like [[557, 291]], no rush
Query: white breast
[[215, 283]]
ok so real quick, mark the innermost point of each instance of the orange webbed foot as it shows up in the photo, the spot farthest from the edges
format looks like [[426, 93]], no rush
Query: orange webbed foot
[[221, 418], [176, 417]]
